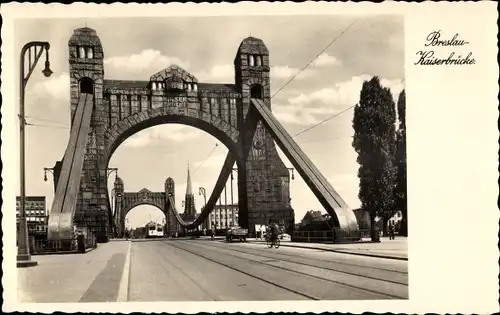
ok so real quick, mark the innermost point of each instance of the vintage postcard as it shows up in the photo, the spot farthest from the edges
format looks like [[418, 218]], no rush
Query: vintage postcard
[[250, 157]]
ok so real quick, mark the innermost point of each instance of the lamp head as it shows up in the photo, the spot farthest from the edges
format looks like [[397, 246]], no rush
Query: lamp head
[[45, 177], [47, 72]]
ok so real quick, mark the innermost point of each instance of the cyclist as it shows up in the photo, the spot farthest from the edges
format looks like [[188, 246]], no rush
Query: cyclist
[[274, 232]]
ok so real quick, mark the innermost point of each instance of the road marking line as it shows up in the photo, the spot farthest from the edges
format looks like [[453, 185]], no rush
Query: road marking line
[[124, 282]]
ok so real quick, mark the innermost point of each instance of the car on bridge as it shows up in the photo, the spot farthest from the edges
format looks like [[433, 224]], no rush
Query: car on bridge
[[234, 233]]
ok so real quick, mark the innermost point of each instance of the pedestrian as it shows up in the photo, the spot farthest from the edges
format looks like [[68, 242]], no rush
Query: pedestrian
[[391, 230]]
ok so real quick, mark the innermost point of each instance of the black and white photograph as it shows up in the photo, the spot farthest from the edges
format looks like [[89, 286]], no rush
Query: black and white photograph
[[215, 158]]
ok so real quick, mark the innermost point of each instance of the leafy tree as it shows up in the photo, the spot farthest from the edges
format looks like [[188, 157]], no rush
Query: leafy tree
[[374, 141], [400, 161]]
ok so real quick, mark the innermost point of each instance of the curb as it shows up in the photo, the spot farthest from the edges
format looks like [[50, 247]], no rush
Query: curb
[[344, 252], [63, 252]]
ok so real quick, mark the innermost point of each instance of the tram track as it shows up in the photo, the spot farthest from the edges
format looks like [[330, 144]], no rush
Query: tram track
[[278, 255], [165, 258], [244, 272], [340, 285], [325, 260]]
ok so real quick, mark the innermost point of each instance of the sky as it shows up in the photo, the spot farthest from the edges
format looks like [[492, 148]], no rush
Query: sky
[[136, 48]]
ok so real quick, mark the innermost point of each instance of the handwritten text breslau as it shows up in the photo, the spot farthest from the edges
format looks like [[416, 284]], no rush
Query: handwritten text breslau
[[435, 41]]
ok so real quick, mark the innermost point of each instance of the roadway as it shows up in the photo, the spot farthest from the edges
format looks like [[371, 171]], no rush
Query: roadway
[[204, 270], [209, 270]]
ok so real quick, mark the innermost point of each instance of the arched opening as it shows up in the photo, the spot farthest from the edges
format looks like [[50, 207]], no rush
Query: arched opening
[[90, 52], [158, 149], [138, 217], [81, 52], [257, 92], [86, 86], [250, 60], [258, 60]]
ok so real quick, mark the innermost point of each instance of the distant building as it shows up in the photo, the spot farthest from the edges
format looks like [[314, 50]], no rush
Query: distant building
[[36, 214], [224, 216], [363, 218], [314, 220], [189, 206], [311, 216]]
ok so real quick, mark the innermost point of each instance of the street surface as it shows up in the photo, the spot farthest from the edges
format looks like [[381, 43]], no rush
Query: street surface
[[207, 270]]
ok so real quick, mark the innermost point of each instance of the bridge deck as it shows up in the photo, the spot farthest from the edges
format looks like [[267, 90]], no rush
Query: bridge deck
[[63, 206]]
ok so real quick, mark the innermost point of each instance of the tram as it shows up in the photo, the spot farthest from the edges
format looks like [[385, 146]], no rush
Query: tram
[[154, 230]]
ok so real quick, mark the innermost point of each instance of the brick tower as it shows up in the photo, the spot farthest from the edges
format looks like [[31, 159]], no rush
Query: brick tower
[[86, 71], [265, 178], [171, 223]]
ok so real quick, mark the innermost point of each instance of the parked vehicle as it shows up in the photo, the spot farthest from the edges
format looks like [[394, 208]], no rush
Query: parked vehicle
[[236, 233]]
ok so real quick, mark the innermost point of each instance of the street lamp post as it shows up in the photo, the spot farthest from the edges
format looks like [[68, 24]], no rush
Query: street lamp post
[[202, 192], [232, 200], [23, 251]]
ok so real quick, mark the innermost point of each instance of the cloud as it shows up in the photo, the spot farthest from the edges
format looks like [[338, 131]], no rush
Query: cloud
[[310, 108], [326, 60], [299, 115], [225, 73], [218, 73], [175, 133], [57, 87], [146, 62], [343, 94], [286, 72]]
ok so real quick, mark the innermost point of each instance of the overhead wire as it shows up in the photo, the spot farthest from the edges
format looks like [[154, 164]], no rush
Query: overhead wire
[[310, 62], [47, 120], [206, 158], [307, 65], [323, 121]]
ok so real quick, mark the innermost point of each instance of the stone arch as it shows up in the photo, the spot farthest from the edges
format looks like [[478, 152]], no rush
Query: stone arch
[[257, 91], [78, 75], [86, 85], [128, 126], [129, 207]]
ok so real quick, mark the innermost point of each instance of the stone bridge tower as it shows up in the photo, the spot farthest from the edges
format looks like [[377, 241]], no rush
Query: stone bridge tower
[[264, 193], [171, 224], [119, 216], [86, 70]]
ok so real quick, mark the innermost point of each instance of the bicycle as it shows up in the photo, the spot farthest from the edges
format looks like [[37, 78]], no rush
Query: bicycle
[[270, 243]]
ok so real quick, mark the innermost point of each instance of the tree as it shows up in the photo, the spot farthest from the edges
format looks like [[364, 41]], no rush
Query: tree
[[400, 191], [375, 143]]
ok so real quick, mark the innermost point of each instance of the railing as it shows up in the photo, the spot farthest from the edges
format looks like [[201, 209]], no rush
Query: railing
[[313, 236], [52, 246], [82, 240], [326, 236]]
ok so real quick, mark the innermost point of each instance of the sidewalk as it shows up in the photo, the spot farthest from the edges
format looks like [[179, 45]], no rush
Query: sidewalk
[[389, 249], [91, 277]]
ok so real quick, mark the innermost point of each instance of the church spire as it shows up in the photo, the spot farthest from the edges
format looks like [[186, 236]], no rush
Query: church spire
[[189, 189]]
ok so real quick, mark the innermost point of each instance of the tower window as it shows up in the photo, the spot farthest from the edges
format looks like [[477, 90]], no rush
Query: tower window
[[258, 60], [257, 92], [153, 86], [90, 52], [81, 52], [86, 86], [195, 87], [250, 60]]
